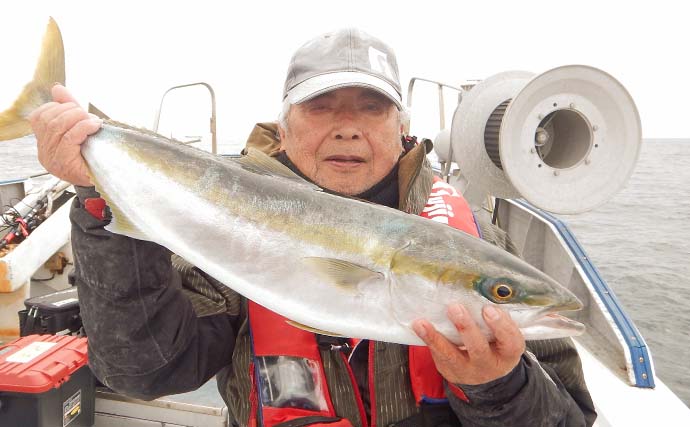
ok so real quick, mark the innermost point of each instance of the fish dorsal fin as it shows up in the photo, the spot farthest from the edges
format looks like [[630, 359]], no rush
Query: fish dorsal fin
[[258, 162], [97, 112], [339, 272], [310, 329], [49, 70]]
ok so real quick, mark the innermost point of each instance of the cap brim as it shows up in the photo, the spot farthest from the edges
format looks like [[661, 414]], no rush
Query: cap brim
[[323, 83]]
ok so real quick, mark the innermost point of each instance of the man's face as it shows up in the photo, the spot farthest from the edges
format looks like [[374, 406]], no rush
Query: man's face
[[345, 140]]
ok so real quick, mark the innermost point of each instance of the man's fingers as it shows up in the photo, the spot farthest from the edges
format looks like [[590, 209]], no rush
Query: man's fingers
[[509, 339], [442, 350], [77, 134], [474, 340], [40, 110], [481, 362], [60, 128], [62, 95], [53, 110], [67, 116], [47, 111]]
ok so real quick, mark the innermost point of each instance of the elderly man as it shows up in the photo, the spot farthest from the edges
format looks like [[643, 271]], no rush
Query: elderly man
[[157, 325]]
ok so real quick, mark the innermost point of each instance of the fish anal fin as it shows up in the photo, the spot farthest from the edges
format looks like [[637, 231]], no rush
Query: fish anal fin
[[342, 273], [119, 222], [310, 329]]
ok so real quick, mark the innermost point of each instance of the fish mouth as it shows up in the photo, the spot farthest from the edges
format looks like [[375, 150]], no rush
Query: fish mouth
[[548, 325]]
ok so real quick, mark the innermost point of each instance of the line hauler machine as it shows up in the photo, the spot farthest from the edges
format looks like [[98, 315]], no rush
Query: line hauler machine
[[566, 140]]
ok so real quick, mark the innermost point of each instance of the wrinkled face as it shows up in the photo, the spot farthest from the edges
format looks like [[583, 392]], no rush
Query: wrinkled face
[[345, 140]]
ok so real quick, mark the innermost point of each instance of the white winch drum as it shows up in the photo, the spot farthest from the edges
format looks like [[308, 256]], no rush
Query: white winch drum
[[566, 140]]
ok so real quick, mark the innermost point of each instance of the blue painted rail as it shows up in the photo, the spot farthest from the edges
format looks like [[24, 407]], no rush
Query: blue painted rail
[[639, 355]]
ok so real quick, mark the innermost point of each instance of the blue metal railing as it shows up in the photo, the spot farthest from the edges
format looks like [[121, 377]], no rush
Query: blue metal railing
[[639, 355]]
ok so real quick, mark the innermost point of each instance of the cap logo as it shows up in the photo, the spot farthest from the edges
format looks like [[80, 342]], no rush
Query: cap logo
[[378, 61]]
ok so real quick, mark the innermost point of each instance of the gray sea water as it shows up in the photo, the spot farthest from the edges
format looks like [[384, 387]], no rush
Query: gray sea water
[[639, 241]]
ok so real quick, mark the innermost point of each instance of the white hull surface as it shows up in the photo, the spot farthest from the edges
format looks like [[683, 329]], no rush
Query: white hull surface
[[619, 404]]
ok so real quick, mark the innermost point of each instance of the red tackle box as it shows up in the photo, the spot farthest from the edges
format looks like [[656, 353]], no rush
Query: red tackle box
[[45, 382]]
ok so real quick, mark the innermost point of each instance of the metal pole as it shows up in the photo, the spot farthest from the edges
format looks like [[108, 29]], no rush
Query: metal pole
[[213, 111], [441, 106]]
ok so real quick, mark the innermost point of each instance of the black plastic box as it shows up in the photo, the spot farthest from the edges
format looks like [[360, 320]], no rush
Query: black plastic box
[[53, 313]]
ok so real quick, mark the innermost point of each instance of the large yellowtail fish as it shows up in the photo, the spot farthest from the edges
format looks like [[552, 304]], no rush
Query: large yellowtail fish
[[330, 264]]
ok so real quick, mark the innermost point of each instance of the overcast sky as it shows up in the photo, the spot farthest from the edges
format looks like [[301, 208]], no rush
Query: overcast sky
[[123, 55]]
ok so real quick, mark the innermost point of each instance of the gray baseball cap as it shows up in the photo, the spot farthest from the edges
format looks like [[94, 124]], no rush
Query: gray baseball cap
[[343, 58]]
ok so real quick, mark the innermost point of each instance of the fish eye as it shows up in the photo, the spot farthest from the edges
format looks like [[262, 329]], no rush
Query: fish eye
[[502, 292]]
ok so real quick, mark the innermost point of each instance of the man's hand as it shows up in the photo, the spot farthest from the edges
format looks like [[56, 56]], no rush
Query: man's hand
[[60, 128], [479, 361]]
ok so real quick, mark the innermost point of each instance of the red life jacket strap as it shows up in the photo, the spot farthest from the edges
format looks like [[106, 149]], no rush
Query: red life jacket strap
[[253, 397], [371, 361]]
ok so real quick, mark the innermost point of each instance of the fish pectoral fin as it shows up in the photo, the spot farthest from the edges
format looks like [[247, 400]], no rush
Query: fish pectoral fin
[[342, 273], [397, 259], [310, 329], [258, 162]]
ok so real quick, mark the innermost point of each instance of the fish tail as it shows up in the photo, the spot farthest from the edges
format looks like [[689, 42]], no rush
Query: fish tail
[[50, 70]]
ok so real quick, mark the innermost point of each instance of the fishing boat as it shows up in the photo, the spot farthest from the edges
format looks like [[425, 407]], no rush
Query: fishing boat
[[521, 198]]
